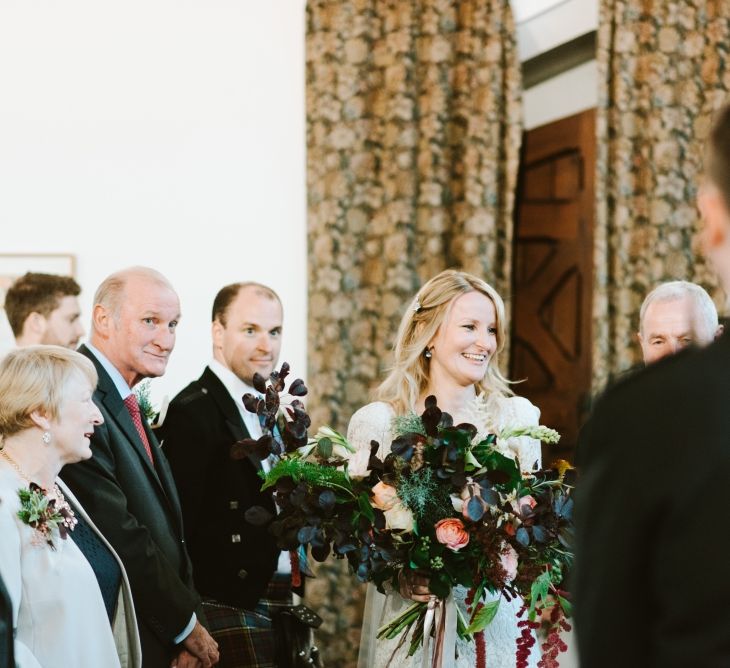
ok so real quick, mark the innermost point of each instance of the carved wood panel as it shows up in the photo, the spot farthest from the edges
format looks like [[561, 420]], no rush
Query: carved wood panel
[[551, 326]]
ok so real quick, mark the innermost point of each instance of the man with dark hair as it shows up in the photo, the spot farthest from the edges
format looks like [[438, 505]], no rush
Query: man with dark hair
[[652, 539], [43, 308], [127, 487], [234, 562]]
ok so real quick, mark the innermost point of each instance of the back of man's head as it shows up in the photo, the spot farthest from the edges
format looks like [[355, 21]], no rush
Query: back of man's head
[[673, 315], [38, 294]]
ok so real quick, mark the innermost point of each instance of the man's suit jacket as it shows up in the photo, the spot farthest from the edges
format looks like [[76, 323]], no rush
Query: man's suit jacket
[[233, 561], [136, 507], [6, 628], [651, 581]]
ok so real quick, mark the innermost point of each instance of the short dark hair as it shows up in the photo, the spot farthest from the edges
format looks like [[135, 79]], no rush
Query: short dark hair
[[36, 293], [719, 158], [227, 294]]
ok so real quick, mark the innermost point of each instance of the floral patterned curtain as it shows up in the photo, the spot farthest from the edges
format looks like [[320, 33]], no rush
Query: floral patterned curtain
[[664, 68], [413, 137]]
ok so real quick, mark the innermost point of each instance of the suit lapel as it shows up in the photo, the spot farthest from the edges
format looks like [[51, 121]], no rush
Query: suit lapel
[[223, 399], [108, 395]]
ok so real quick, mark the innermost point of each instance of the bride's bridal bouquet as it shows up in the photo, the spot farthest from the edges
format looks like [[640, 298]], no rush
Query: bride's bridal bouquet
[[448, 501]]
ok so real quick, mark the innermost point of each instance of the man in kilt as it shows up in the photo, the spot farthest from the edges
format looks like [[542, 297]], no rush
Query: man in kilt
[[238, 569]]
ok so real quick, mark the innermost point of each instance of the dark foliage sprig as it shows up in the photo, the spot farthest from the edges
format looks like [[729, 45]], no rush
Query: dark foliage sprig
[[291, 432]]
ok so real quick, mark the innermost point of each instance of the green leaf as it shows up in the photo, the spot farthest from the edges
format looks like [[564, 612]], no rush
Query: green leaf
[[539, 591], [566, 605], [324, 446], [461, 625], [471, 459], [484, 617], [479, 591], [494, 461], [363, 501]]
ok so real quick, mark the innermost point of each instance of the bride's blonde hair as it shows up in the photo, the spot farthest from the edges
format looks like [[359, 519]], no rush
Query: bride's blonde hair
[[409, 375]]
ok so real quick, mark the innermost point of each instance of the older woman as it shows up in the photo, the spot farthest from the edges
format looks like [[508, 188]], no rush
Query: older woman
[[448, 346], [61, 615]]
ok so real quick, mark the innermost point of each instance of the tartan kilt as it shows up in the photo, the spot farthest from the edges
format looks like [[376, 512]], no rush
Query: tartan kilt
[[245, 637]]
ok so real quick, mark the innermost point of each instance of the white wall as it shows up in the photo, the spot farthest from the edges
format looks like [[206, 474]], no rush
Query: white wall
[[160, 132], [542, 25], [564, 95], [171, 133]]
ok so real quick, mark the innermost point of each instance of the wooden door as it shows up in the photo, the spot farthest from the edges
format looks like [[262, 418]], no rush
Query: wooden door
[[551, 309]]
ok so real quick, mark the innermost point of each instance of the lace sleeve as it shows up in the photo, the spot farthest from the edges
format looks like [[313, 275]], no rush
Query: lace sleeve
[[372, 423], [528, 451]]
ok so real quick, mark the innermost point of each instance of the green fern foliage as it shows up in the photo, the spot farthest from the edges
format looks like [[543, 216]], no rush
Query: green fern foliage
[[299, 470]]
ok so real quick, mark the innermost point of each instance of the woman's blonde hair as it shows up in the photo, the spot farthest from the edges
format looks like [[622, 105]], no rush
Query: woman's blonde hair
[[409, 375], [34, 379]]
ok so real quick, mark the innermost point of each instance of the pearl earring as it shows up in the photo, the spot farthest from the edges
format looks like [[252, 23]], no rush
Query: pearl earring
[[427, 353], [46, 438]]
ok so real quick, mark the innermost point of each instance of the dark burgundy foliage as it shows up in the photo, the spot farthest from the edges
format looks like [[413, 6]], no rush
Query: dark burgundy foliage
[[293, 432]]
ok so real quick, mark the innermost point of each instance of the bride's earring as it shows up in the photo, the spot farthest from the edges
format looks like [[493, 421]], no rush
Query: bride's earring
[[427, 353], [46, 438]]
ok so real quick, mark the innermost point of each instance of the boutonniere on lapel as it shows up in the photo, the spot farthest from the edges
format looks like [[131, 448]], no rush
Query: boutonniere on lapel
[[154, 417], [44, 514]]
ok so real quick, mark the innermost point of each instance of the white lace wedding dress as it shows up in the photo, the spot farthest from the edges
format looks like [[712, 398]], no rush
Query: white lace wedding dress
[[373, 422]]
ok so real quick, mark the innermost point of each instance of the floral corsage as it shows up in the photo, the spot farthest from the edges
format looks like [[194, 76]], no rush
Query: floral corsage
[[44, 514]]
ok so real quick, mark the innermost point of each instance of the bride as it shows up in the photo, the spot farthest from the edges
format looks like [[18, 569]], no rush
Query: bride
[[447, 345]]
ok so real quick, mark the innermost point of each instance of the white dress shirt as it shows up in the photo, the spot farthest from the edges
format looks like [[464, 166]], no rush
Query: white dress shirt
[[237, 388]]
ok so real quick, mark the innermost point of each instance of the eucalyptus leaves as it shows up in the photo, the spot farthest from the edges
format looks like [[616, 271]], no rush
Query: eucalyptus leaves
[[45, 514]]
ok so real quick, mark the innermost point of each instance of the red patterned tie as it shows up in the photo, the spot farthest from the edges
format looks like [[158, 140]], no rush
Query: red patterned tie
[[133, 407]]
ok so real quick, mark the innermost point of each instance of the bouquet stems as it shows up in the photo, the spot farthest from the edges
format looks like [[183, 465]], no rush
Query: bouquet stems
[[402, 621]]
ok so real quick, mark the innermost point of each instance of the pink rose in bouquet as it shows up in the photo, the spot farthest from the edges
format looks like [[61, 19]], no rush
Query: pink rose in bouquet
[[451, 532]]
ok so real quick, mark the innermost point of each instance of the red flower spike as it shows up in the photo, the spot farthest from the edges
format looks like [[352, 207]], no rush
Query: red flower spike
[[481, 650], [296, 573]]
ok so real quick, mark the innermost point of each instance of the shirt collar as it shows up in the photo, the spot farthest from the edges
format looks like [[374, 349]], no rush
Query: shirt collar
[[117, 379], [235, 386]]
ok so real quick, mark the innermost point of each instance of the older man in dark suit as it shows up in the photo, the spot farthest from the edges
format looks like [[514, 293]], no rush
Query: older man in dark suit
[[651, 582], [126, 487], [234, 562]]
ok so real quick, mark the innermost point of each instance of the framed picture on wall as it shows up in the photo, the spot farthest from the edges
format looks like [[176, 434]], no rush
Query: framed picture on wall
[[14, 265]]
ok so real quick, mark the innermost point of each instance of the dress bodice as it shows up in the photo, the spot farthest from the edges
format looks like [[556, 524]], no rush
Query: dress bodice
[[493, 414]]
